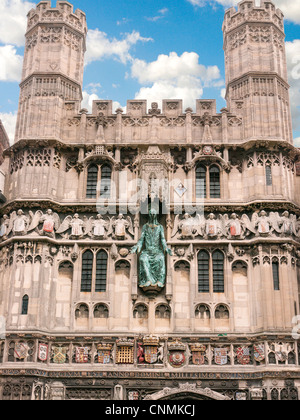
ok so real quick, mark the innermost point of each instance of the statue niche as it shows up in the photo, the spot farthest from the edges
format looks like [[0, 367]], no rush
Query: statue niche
[[152, 265]]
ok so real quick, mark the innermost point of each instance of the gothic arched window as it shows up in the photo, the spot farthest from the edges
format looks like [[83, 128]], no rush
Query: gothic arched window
[[202, 311], [275, 270], [105, 187], [203, 272], [82, 312], [163, 312], [218, 271], [140, 311], [222, 312], [201, 181], [269, 178], [92, 179], [214, 182], [101, 271], [101, 311], [87, 271], [25, 303]]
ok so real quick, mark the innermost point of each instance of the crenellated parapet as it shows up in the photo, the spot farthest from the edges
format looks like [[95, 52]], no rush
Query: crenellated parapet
[[63, 12], [248, 11]]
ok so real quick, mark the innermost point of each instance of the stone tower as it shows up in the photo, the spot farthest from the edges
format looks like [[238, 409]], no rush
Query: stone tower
[[256, 69], [52, 69]]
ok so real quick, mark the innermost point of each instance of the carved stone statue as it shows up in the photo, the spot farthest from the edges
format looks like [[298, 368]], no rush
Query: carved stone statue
[[100, 227], [152, 266], [120, 225], [76, 226], [235, 226], [211, 226], [189, 227], [4, 227], [20, 223], [287, 223], [50, 222]]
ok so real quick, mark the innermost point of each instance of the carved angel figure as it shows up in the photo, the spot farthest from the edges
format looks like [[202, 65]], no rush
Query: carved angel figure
[[4, 227], [249, 226], [76, 225], [235, 227], [189, 226], [287, 223], [50, 222], [120, 225], [20, 223], [96, 228], [215, 227], [264, 224]]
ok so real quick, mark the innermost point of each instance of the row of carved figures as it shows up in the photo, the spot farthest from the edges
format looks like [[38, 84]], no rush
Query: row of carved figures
[[121, 227], [235, 227]]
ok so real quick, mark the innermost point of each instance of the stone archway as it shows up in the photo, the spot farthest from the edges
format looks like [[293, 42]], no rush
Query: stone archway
[[187, 392]]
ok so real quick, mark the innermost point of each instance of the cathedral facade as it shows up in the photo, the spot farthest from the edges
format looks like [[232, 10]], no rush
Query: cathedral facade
[[94, 304]]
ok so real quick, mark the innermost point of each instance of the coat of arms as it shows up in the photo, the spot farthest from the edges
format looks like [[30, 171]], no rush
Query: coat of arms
[[125, 351], [243, 355], [60, 355], [198, 354], [133, 395], [43, 352], [21, 351], [177, 356], [104, 353], [259, 352], [151, 349], [221, 356], [82, 355]]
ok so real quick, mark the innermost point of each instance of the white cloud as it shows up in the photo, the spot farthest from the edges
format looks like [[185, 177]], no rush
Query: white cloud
[[297, 142], [173, 76], [293, 65], [10, 64], [172, 67], [165, 90], [99, 46], [290, 8], [161, 14], [13, 21], [9, 121]]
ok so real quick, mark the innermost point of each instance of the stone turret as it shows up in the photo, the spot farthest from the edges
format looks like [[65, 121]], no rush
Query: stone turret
[[52, 69], [256, 69]]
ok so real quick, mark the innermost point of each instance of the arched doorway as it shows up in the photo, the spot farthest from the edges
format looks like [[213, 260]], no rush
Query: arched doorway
[[186, 392]]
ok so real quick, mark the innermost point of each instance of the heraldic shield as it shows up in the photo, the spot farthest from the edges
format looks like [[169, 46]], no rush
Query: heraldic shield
[[198, 354], [60, 355], [259, 352], [104, 353], [243, 355], [221, 356], [82, 355], [21, 351], [177, 357], [151, 349]]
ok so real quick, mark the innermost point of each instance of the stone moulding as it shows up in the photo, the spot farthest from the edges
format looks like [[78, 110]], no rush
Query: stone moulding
[[166, 393]]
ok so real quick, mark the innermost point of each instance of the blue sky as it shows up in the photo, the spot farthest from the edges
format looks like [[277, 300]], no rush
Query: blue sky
[[132, 43]]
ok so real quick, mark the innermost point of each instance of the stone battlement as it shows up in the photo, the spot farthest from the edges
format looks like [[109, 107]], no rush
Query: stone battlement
[[247, 12], [62, 13]]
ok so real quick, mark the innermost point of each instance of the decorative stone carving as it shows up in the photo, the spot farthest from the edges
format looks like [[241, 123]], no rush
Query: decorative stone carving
[[119, 227]]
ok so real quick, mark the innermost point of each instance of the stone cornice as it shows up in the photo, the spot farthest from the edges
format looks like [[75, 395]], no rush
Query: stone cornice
[[247, 145]]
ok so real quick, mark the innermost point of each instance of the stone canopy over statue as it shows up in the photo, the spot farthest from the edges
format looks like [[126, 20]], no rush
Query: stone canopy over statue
[[152, 265]]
